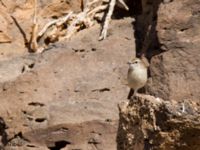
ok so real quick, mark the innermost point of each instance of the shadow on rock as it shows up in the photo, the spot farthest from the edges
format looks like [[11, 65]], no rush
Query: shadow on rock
[[3, 134]]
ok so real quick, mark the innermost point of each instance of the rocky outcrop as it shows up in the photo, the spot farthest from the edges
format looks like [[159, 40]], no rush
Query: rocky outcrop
[[151, 123]]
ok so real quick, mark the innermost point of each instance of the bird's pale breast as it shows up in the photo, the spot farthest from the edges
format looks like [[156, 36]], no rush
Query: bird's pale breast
[[137, 77]]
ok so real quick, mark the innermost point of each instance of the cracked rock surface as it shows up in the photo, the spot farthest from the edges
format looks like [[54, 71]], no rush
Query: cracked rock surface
[[151, 123]]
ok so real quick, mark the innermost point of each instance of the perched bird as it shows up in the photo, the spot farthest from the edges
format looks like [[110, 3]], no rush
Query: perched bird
[[137, 74]]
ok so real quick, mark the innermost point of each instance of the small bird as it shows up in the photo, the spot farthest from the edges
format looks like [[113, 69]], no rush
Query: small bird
[[137, 74]]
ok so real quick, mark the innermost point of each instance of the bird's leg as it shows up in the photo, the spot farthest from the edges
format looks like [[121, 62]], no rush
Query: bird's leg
[[134, 96], [130, 94], [135, 92]]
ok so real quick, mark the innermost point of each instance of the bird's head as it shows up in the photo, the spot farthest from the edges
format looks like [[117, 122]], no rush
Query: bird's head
[[135, 63]]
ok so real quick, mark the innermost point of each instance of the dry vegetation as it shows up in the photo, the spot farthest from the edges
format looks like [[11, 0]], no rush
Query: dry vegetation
[[64, 27]]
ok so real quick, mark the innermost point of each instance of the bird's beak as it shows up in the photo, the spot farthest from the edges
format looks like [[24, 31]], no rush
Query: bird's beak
[[128, 62]]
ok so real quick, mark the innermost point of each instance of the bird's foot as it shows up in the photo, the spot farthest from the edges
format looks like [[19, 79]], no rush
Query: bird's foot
[[135, 97]]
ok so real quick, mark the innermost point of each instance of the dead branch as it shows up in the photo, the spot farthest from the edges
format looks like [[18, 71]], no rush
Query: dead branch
[[123, 4], [107, 20], [97, 9], [112, 4], [33, 40], [74, 25], [58, 22], [66, 26]]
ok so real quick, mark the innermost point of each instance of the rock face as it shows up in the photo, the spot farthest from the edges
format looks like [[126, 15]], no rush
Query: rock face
[[151, 123], [169, 32], [173, 47], [175, 73], [66, 98]]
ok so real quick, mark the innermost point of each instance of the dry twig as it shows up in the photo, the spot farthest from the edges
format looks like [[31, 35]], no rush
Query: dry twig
[[33, 40], [107, 20], [58, 22], [108, 17]]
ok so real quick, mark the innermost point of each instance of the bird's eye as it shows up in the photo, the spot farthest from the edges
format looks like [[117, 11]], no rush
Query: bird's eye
[[136, 62]]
